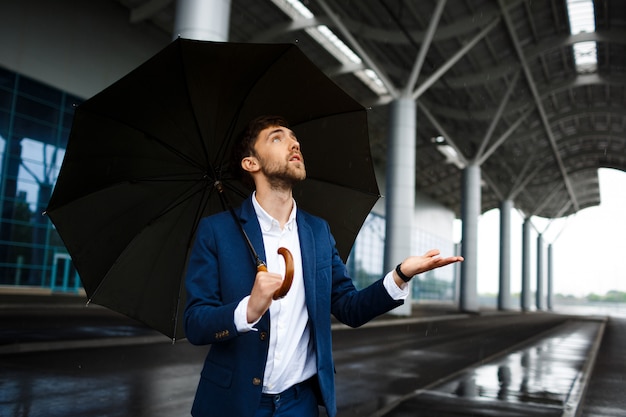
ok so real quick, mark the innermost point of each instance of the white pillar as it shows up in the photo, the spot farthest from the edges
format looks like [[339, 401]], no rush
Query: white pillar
[[525, 296], [504, 291], [400, 187], [539, 292], [206, 20], [471, 207], [550, 278]]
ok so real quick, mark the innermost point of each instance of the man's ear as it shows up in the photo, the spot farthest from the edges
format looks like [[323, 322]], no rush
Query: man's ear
[[250, 164]]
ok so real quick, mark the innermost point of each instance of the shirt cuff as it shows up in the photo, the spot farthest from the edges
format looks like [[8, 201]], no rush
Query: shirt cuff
[[395, 292], [241, 317]]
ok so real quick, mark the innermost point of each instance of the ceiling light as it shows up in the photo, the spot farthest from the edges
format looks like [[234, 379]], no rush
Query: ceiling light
[[335, 46]]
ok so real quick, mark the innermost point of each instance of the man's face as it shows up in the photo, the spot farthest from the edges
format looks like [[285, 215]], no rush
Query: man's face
[[278, 152]]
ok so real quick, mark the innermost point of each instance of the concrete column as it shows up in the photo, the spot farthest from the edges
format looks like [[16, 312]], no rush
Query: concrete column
[[207, 20], [504, 291], [400, 187], [470, 212], [539, 292], [550, 278], [525, 296]]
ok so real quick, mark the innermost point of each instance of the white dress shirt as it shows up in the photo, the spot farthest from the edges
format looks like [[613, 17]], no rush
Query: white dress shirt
[[291, 356]]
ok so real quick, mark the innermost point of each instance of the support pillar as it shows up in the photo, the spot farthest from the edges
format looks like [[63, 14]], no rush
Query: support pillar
[[400, 187], [504, 291], [207, 20], [550, 279], [470, 212], [525, 296], [539, 292]]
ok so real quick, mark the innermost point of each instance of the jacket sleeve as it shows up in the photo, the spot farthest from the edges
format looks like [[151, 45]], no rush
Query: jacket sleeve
[[351, 306], [211, 299]]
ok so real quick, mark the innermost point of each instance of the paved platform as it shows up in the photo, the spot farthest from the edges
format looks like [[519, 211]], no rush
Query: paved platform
[[59, 358]]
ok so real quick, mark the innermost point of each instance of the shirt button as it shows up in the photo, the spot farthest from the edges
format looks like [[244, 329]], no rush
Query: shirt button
[[263, 335], [256, 381]]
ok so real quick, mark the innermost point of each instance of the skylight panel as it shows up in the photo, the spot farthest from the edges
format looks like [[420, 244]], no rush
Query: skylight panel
[[582, 19]]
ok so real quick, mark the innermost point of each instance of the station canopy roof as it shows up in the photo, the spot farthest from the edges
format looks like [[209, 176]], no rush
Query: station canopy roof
[[532, 91]]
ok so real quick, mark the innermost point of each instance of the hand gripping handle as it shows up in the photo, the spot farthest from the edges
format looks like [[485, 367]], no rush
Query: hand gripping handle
[[286, 285]]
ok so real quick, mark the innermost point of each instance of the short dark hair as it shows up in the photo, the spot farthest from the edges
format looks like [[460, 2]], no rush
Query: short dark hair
[[244, 145]]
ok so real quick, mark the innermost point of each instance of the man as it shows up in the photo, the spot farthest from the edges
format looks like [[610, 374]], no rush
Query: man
[[274, 357]]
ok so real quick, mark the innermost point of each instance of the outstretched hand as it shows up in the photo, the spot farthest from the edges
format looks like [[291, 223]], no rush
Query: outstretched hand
[[432, 259]]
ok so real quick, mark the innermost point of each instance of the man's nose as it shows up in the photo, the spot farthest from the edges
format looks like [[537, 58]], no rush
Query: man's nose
[[295, 144]]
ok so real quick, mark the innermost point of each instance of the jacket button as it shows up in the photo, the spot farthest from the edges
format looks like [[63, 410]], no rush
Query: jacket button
[[263, 335], [256, 381]]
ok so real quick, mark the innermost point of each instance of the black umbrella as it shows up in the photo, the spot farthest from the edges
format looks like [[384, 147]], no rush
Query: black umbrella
[[145, 154]]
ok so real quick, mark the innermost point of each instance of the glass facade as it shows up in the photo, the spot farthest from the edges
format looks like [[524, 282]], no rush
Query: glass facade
[[35, 122], [366, 260]]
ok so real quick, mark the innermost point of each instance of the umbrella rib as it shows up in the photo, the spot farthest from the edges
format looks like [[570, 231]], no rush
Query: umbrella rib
[[149, 135], [230, 132], [205, 150], [183, 178], [186, 195], [205, 198]]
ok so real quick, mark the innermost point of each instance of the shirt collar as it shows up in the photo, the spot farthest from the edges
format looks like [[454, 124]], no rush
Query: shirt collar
[[266, 221]]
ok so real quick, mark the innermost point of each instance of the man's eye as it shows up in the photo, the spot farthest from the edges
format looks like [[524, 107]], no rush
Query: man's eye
[[276, 139]]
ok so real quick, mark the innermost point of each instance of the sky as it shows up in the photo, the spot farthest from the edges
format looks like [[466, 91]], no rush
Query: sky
[[589, 248]]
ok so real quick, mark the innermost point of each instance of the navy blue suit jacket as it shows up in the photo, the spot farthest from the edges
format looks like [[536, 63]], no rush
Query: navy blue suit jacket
[[221, 272]]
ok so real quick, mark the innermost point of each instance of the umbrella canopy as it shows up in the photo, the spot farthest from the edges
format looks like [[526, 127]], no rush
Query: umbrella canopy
[[145, 153]]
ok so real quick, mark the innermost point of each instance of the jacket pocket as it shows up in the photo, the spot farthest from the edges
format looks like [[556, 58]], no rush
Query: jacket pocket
[[217, 374]]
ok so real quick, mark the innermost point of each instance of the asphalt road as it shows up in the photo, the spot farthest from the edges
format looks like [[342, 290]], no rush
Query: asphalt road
[[375, 367]]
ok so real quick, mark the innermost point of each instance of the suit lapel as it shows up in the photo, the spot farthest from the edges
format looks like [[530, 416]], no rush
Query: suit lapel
[[307, 248], [250, 223]]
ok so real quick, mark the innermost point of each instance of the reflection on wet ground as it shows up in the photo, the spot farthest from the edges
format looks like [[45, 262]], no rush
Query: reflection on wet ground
[[540, 379], [155, 380], [456, 365]]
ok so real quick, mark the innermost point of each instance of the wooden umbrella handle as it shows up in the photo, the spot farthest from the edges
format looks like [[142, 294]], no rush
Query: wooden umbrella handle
[[287, 281], [284, 288]]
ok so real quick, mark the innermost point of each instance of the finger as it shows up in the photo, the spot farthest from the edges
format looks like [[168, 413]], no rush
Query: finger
[[432, 253]]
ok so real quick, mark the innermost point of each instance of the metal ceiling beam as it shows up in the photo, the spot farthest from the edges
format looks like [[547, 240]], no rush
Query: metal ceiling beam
[[616, 134], [453, 30], [547, 91], [504, 68], [505, 135], [548, 198], [359, 49], [494, 122], [449, 140], [492, 185], [425, 45], [542, 113], [453, 60], [523, 179]]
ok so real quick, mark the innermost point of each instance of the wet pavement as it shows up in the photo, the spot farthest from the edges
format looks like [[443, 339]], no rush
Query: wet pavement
[[607, 383], [65, 360], [544, 377]]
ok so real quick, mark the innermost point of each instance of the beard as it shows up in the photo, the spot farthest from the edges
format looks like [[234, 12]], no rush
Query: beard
[[283, 176]]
